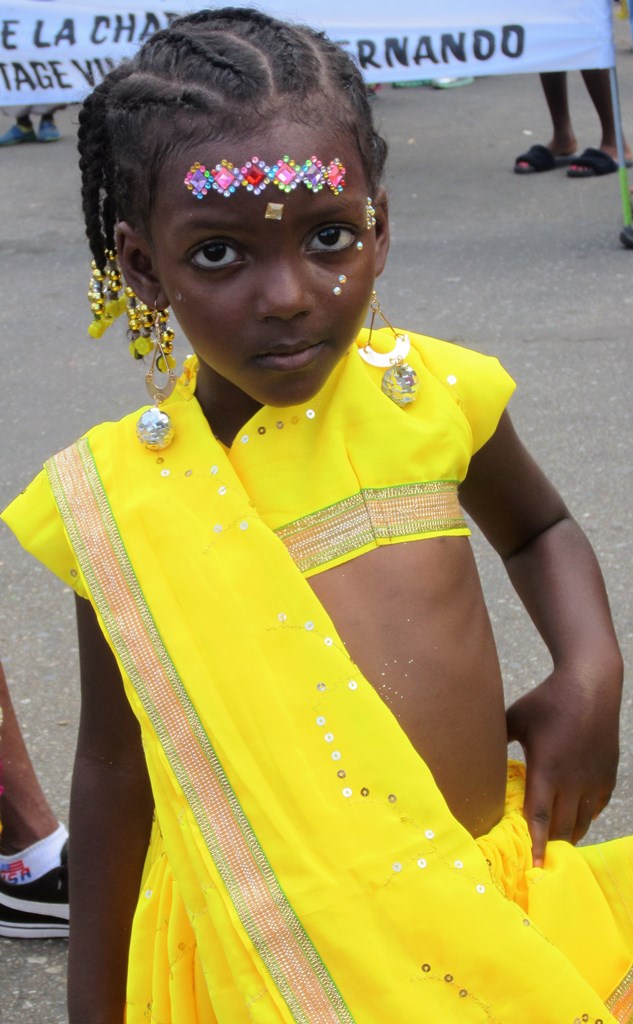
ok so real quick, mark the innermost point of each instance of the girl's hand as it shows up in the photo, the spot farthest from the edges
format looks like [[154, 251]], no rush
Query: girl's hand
[[568, 728]]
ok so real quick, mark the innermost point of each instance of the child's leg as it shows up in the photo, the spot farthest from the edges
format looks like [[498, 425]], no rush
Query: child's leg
[[24, 810], [33, 873]]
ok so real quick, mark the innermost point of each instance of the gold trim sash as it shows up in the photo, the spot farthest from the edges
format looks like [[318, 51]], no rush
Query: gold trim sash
[[620, 1003], [263, 909]]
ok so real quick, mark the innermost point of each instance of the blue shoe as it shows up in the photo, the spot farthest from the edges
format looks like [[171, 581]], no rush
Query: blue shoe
[[17, 134], [48, 132]]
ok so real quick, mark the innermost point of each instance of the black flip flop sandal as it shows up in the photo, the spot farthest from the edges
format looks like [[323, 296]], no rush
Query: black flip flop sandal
[[592, 163], [538, 159]]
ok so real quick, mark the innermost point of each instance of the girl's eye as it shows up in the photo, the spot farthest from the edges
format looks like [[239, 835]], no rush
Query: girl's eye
[[215, 255], [332, 239]]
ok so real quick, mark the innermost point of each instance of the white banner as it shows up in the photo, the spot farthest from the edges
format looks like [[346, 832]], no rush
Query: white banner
[[55, 51]]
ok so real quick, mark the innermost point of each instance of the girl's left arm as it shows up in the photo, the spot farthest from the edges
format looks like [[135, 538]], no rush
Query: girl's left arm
[[569, 724]]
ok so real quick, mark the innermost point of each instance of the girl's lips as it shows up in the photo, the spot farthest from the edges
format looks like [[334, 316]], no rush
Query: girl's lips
[[294, 359]]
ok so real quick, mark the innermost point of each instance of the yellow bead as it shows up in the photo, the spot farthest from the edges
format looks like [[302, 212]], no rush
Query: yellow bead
[[98, 328], [143, 345], [164, 363]]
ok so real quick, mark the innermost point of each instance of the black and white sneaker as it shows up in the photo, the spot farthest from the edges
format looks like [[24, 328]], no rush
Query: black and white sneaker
[[36, 910]]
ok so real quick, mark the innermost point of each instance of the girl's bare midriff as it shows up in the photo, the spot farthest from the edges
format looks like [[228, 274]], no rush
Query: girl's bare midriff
[[413, 618]]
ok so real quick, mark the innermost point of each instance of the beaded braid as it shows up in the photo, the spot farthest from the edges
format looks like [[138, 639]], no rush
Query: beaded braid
[[93, 141]]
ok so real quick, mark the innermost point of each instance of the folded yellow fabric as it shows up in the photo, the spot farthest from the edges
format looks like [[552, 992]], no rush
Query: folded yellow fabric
[[305, 867]]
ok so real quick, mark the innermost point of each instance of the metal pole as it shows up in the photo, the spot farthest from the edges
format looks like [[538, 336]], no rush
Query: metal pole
[[619, 139], [626, 235]]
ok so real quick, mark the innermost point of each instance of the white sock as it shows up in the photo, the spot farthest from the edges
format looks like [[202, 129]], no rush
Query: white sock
[[30, 864]]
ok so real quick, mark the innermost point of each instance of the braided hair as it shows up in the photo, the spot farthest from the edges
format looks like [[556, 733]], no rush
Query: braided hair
[[223, 71]]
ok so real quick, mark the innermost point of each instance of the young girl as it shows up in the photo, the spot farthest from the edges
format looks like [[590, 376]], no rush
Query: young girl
[[286, 660]]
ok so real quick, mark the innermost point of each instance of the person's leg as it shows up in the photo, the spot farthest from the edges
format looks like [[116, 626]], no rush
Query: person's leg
[[554, 84], [24, 810], [33, 861], [599, 89], [48, 130], [563, 142], [22, 130]]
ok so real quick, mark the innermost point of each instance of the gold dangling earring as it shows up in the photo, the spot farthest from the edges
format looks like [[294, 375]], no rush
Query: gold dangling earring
[[148, 331], [154, 428], [399, 381]]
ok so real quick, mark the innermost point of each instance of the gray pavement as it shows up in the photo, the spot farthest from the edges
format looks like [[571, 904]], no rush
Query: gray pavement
[[528, 268]]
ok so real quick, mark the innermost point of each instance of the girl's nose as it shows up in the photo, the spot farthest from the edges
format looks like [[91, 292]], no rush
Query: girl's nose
[[283, 291]]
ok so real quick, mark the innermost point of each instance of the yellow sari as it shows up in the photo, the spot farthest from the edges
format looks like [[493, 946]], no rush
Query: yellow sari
[[304, 866]]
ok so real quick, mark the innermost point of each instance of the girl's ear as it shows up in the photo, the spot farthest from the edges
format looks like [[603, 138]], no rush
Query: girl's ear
[[137, 264], [381, 206]]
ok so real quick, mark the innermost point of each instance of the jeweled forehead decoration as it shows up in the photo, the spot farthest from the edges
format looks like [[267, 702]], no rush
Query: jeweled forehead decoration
[[256, 175]]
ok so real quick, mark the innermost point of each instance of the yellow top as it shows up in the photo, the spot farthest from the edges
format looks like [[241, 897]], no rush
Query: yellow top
[[342, 474]]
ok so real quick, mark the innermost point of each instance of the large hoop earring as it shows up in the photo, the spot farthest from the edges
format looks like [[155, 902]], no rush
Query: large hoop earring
[[399, 381]]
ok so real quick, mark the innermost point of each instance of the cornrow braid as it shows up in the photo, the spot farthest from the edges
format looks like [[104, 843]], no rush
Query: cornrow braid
[[344, 77], [219, 51], [223, 71]]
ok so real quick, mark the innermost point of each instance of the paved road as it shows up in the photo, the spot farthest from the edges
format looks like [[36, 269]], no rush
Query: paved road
[[529, 268]]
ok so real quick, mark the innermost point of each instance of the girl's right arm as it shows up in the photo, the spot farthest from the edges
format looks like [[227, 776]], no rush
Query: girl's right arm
[[110, 821]]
